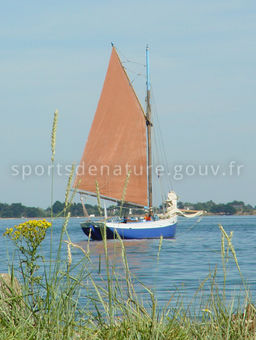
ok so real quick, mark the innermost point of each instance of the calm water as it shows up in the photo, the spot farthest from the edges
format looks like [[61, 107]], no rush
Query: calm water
[[183, 263]]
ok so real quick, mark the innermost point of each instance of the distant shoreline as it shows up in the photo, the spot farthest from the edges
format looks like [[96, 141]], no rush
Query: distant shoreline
[[237, 214], [18, 210]]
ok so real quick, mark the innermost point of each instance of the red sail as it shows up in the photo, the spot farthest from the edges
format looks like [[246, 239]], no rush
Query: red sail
[[116, 144]]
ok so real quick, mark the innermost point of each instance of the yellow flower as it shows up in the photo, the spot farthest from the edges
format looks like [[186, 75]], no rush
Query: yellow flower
[[33, 231], [206, 310]]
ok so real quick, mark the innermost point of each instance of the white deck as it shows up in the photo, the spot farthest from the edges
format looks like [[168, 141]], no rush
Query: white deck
[[143, 224]]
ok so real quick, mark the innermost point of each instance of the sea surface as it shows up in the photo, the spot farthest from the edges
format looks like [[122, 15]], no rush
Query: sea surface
[[181, 265]]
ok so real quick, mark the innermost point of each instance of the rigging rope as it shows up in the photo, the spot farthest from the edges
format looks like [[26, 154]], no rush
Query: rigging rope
[[162, 149], [159, 151]]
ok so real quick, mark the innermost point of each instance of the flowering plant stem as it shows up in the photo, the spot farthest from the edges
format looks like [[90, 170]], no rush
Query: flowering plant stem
[[27, 237]]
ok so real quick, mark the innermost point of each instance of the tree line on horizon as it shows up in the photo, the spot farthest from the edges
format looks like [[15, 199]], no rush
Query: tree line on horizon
[[230, 208], [18, 210]]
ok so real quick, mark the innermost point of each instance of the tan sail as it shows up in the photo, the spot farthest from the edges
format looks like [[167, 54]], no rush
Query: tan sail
[[116, 144]]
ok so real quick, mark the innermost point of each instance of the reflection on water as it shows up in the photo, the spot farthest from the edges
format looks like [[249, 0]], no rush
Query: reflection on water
[[114, 249]]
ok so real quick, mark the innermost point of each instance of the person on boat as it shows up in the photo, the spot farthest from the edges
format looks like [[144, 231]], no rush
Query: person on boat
[[148, 217], [125, 219]]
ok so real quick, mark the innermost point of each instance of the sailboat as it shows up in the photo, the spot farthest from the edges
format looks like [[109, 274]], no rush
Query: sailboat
[[116, 164]]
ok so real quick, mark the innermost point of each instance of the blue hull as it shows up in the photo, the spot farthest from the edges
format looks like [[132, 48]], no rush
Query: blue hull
[[95, 231]]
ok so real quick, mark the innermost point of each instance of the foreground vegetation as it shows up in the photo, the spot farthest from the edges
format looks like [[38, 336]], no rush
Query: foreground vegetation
[[49, 306]]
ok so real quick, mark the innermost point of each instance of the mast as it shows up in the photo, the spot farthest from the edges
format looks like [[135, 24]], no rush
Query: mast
[[148, 113]]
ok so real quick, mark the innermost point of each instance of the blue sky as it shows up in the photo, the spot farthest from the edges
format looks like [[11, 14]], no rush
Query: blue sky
[[54, 54]]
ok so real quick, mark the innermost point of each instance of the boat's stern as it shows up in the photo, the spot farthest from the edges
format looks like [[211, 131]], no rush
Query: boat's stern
[[95, 230]]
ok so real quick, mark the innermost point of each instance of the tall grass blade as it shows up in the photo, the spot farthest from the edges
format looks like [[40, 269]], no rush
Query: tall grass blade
[[98, 198], [124, 191]]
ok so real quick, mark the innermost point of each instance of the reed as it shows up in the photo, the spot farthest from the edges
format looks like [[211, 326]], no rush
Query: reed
[[68, 200], [98, 198], [53, 136], [124, 191], [53, 146]]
